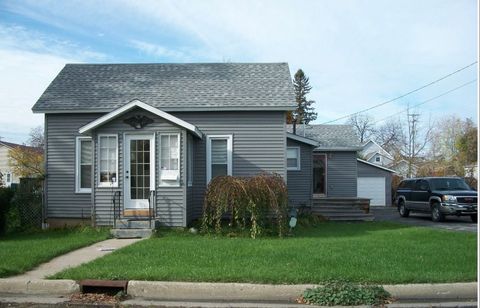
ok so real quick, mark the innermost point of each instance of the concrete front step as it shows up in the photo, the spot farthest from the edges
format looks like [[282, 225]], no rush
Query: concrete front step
[[125, 223], [131, 233]]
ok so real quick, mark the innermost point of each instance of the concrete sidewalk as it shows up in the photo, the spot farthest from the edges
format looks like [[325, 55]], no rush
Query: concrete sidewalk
[[75, 258]]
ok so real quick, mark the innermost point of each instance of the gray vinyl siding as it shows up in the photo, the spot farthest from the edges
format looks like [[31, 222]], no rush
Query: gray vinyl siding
[[170, 201], [299, 182], [341, 173], [365, 170], [259, 145], [62, 201]]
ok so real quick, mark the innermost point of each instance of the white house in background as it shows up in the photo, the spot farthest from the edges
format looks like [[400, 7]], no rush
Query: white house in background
[[471, 171], [373, 153], [8, 177]]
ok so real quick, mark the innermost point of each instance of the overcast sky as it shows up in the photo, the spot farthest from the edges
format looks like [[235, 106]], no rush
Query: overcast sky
[[357, 53]]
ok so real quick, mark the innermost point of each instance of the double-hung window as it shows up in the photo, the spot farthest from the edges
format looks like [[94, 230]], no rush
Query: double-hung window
[[293, 158], [108, 160], [169, 159], [219, 156], [83, 165]]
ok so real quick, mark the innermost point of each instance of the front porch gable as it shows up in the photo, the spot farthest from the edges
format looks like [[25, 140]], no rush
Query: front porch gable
[[133, 104]]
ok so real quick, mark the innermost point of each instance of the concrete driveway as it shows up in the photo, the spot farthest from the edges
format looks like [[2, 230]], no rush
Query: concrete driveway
[[424, 220]]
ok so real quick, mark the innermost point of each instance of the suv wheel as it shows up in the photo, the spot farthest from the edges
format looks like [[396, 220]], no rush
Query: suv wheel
[[474, 217], [402, 209], [437, 215]]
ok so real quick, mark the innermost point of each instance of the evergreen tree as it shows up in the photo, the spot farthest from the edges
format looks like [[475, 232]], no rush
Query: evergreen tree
[[305, 112]]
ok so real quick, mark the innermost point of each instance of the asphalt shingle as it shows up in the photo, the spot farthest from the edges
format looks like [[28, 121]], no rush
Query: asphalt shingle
[[171, 87], [334, 137]]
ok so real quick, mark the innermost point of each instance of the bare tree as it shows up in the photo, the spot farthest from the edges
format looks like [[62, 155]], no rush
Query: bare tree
[[391, 136], [37, 138], [363, 125]]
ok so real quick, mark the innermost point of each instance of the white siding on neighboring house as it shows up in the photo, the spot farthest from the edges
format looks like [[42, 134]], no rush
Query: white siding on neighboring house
[[5, 167]]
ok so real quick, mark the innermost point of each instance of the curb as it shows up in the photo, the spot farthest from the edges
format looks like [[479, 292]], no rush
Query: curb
[[245, 291], [204, 291], [463, 290], [214, 291], [38, 286]]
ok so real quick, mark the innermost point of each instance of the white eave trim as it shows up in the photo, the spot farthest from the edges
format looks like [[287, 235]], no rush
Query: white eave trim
[[376, 166], [136, 103], [302, 139]]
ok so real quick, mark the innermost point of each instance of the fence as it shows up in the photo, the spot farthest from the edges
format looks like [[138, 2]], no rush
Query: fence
[[27, 204]]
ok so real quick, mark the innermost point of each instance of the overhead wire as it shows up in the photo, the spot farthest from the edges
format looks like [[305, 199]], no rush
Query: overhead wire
[[428, 100], [403, 95]]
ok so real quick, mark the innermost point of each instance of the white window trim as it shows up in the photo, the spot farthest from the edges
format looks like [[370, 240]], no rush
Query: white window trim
[[378, 159], [190, 160], [297, 168], [78, 189], [108, 184], [169, 183], [229, 139]]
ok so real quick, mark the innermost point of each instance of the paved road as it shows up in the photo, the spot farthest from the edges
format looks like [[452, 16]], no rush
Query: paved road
[[418, 219]]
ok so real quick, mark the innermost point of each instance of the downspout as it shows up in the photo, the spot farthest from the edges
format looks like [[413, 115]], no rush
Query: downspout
[[92, 197]]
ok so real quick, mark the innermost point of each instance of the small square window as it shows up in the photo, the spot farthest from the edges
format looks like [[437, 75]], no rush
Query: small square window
[[293, 158], [378, 159]]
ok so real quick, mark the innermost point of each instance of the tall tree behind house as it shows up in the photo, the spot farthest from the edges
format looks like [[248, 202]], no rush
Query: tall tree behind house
[[304, 113]]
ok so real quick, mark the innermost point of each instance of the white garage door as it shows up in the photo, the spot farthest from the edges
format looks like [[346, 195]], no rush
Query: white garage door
[[372, 188]]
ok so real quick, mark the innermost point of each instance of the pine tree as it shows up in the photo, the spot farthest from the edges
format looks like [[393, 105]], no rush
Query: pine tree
[[304, 113]]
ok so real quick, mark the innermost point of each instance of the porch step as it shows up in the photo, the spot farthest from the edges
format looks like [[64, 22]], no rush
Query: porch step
[[131, 233], [135, 223], [342, 209]]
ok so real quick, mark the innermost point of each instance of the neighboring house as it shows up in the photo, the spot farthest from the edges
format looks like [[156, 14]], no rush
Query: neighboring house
[[153, 135], [8, 176], [373, 153]]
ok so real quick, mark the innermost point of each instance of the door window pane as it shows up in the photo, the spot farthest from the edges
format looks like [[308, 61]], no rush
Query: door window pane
[[139, 169]]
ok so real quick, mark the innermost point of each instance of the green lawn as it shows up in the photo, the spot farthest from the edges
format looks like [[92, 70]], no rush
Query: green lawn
[[22, 252], [360, 252]]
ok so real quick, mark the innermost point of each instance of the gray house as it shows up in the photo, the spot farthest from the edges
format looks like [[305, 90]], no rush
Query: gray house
[[126, 142], [139, 140]]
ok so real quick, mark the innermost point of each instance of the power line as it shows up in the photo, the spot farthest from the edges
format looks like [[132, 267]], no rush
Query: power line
[[428, 100], [403, 95]]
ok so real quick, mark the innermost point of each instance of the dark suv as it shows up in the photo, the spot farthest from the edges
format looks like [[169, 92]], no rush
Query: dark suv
[[440, 196]]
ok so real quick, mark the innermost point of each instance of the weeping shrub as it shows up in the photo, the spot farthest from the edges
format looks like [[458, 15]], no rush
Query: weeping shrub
[[257, 203]]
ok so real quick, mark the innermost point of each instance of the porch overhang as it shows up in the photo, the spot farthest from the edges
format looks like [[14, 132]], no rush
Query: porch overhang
[[302, 139], [136, 103]]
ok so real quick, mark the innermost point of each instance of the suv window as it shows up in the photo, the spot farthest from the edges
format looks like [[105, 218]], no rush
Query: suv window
[[421, 185], [407, 184], [449, 184]]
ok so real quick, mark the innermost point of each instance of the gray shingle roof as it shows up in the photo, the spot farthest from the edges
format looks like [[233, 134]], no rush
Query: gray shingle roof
[[330, 137], [170, 87]]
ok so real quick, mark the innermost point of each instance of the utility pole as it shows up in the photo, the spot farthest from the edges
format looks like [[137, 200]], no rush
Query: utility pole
[[412, 130]]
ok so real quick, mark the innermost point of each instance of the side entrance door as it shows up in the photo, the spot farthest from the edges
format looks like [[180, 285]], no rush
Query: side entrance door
[[139, 170]]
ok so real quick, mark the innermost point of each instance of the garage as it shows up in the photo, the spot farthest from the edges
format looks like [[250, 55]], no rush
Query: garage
[[375, 183], [372, 188]]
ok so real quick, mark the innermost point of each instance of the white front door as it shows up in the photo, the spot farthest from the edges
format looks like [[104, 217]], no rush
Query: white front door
[[139, 173]]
